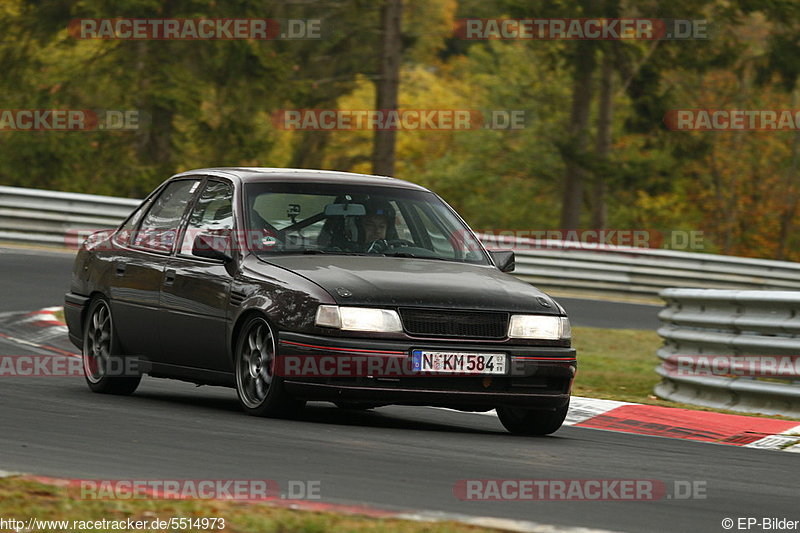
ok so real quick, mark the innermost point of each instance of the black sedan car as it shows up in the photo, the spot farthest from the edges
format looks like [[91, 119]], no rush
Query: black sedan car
[[297, 285]]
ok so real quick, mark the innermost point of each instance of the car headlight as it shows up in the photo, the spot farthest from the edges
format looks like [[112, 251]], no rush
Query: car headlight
[[358, 318], [539, 327]]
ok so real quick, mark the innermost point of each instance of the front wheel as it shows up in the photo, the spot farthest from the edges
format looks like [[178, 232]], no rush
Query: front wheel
[[104, 367], [260, 391], [521, 421]]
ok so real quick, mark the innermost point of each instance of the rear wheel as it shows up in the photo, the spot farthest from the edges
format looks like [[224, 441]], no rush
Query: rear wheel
[[260, 391], [521, 421], [103, 363]]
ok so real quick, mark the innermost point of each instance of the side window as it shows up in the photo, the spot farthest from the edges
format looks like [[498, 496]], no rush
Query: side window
[[160, 225], [212, 214], [125, 231]]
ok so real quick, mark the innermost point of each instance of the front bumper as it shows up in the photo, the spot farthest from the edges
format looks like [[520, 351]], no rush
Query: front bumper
[[536, 378]]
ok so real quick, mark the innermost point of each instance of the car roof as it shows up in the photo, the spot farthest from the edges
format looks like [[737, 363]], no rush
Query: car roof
[[262, 174]]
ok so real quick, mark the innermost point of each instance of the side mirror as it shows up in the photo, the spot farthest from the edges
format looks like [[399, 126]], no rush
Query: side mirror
[[503, 259], [212, 247]]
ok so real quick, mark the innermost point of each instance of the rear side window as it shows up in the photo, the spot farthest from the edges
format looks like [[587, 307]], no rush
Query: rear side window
[[160, 224]]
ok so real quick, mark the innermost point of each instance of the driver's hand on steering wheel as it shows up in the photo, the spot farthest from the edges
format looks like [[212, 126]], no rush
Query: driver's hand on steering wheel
[[381, 246], [378, 246]]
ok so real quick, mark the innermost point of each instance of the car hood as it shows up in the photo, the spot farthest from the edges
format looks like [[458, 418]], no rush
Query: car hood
[[397, 281]]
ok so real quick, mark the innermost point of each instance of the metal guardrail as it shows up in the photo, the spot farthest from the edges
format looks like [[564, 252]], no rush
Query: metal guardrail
[[58, 218], [737, 350], [642, 271]]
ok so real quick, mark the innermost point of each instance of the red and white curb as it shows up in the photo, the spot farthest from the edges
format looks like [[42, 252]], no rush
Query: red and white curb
[[676, 423], [500, 524], [703, 426], [610, 415], [46, 318], [37, 330]]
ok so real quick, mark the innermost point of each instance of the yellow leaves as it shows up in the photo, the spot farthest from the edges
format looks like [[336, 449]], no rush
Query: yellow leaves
[[10, 8], [744, 196], [429, 23], [420, 89]]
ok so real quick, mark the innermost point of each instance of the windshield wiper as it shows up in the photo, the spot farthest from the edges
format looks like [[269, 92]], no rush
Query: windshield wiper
[[414, 256], [309, 251], [330, 252]]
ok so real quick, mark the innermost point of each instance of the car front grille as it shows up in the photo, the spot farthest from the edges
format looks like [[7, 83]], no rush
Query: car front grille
[[451, 323]]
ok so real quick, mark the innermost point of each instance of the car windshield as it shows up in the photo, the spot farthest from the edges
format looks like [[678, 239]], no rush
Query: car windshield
[[320, 218]]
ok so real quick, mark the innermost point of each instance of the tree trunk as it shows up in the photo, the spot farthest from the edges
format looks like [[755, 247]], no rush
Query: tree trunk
[[154, 143], [605, 114], [309, 150], [387, 85], [789, 211], [575, 173]]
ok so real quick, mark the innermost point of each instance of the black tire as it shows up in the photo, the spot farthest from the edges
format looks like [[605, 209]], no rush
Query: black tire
[[101, 349], [260, 391], [531, 422]]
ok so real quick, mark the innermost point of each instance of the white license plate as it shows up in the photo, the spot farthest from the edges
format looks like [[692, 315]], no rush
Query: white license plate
[[458, 362]]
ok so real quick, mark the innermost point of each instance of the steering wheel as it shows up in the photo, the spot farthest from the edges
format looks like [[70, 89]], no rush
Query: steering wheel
[[381, 245]]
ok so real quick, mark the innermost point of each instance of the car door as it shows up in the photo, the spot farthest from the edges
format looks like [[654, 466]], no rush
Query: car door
[[195, 292], [138, 269]]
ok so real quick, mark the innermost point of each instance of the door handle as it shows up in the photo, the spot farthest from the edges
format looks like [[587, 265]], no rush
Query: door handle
[[169, 277], [120, 268]]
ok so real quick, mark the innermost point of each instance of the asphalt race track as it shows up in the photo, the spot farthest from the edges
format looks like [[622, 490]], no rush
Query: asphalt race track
[[399, 458]]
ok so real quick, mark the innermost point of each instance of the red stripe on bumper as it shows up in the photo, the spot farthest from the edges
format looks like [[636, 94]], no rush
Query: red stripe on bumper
[[359, 350]]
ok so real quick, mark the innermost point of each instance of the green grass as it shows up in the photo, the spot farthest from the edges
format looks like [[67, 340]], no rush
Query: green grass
[[22, 498], [616, 364]]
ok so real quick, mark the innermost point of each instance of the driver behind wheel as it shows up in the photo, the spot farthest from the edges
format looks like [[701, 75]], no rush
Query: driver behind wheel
[[377, 226]]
